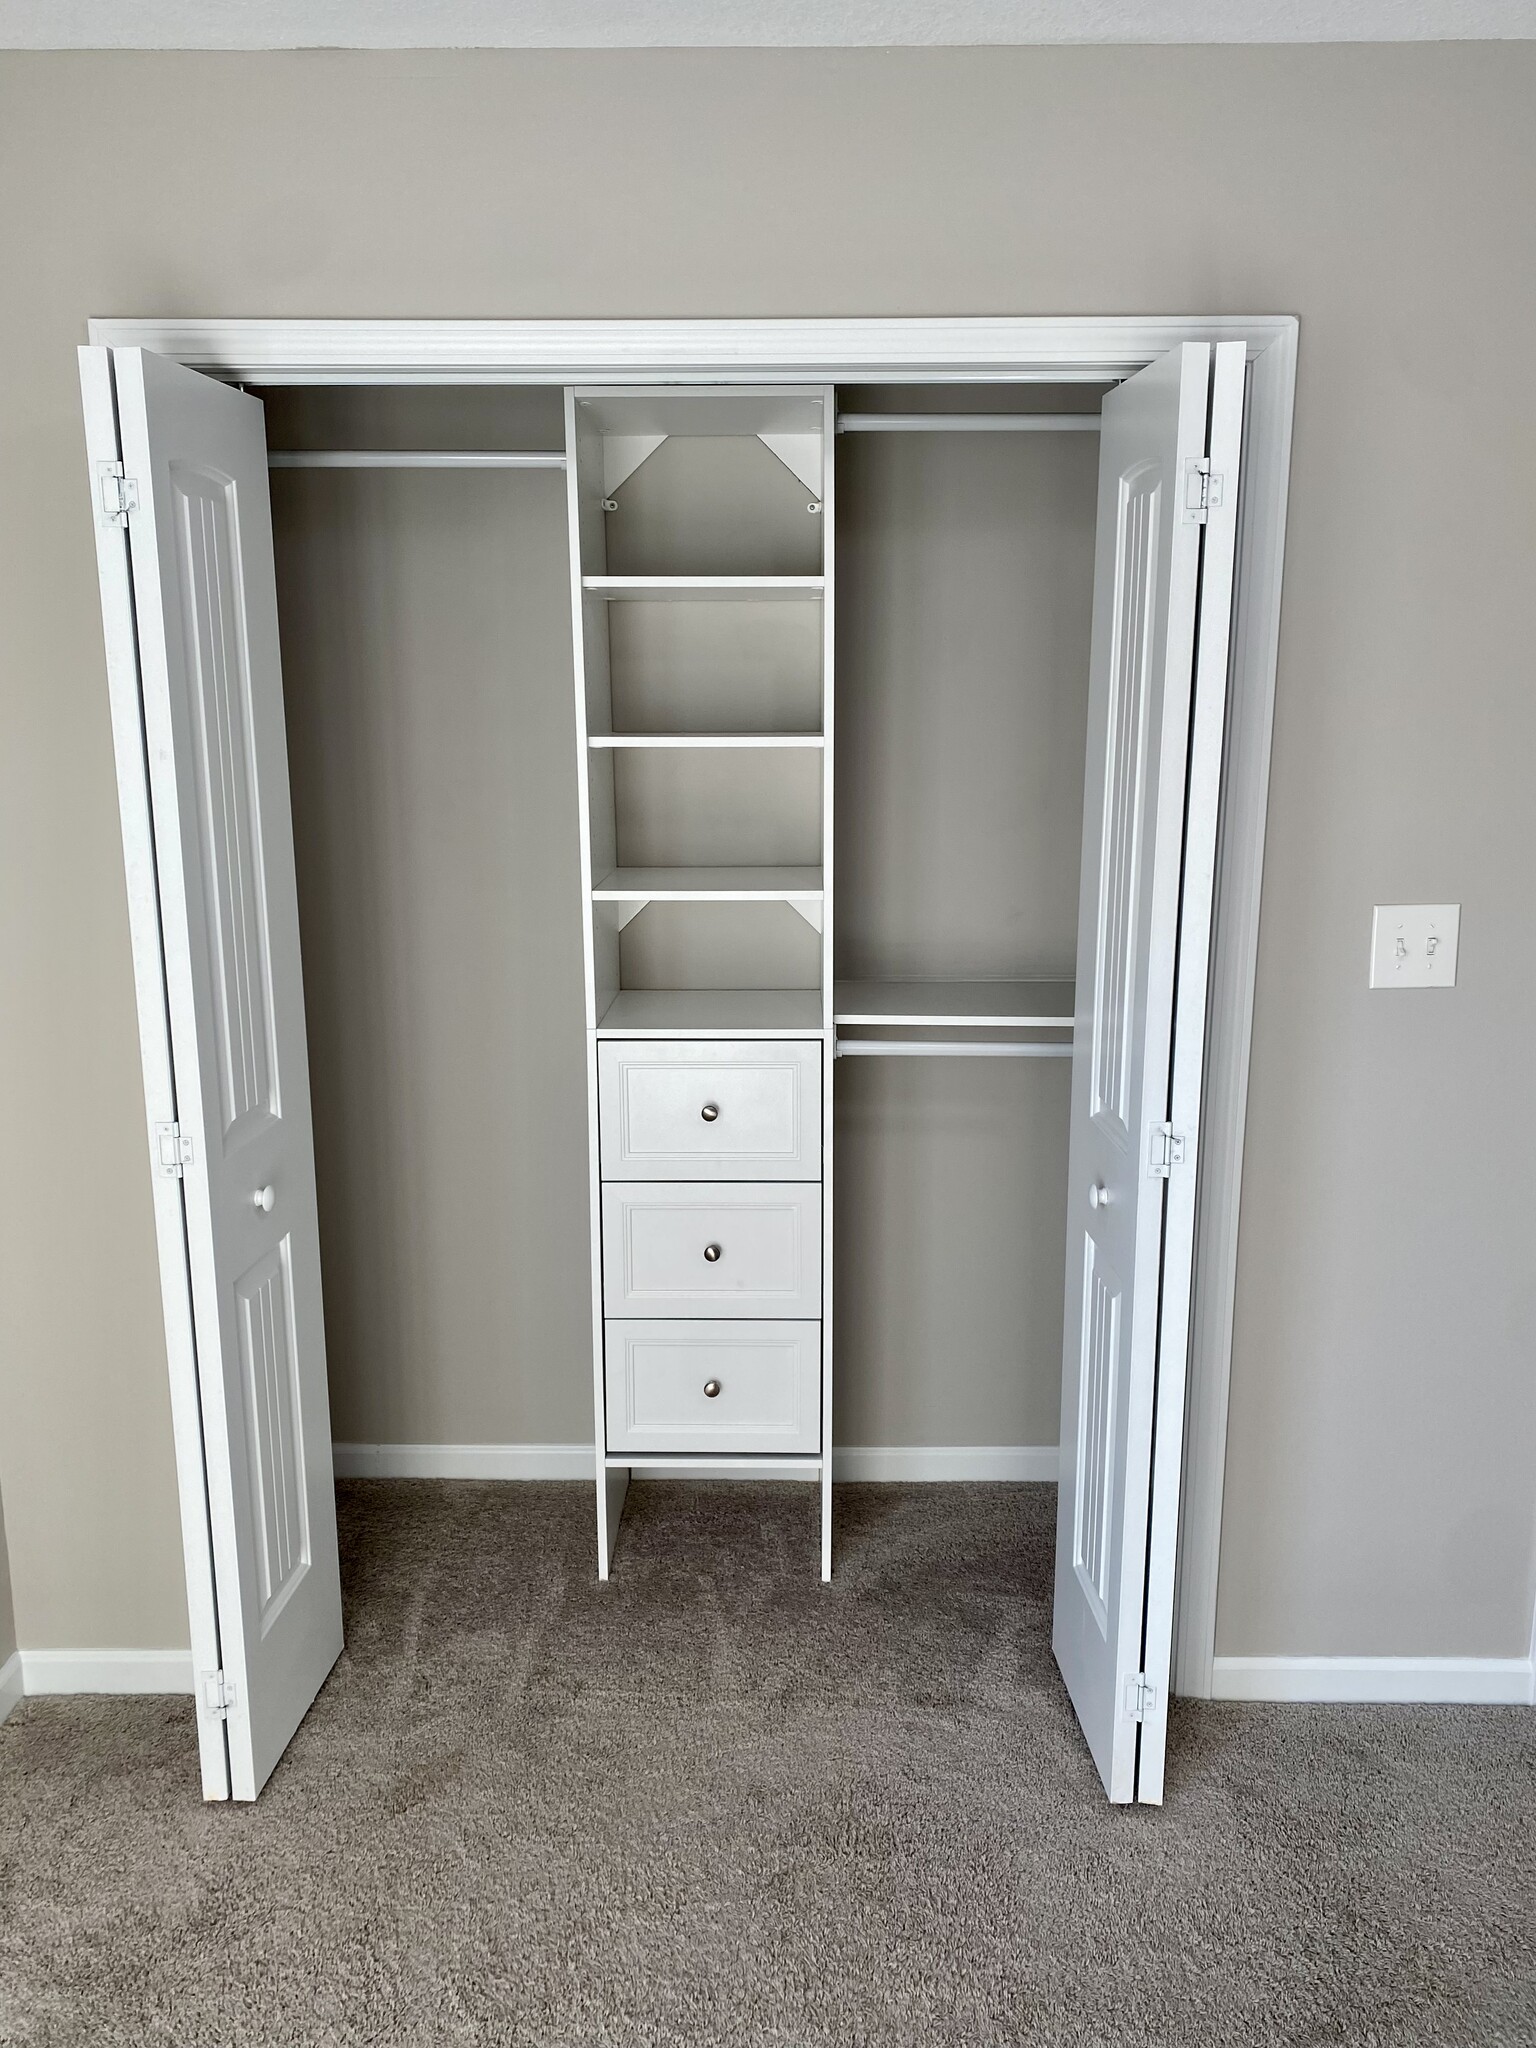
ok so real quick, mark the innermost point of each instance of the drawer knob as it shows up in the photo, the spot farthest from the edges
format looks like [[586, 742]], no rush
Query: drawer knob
[[1098, 1196], [710, 1112], [711, 1388], [265, 1199], [711, 1253]]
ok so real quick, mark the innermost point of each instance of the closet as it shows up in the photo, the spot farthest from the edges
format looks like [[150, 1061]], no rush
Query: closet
[[898, 722]]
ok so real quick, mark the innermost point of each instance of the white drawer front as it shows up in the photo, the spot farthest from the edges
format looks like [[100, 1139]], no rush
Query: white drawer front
[[706, 1248], [710, 1111], [766, 1379]]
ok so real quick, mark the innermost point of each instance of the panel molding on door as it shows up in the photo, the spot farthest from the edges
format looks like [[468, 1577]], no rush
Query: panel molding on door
[[721, 1388], [747, 1110], [710, 1248]]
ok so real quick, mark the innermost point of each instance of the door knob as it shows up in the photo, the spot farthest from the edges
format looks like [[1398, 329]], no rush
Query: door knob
[[1098, 1196], [711, 1253], [710, 1112], [264, 1199], [711, 1388]]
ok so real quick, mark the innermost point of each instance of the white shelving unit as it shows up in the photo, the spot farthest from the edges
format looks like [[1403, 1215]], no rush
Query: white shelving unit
[[702, 607]]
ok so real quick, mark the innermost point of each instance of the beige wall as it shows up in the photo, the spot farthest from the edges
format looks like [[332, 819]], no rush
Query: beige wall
[[1382, 1470]]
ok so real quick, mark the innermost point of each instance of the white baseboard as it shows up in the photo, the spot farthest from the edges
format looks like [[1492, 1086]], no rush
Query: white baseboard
[[11, 1687], [897, 1462], [1478, 1681], [463, 1461], [119, 1671], [574, 1461]]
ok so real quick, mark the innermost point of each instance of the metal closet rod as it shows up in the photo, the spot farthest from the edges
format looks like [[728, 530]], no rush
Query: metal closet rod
[[919, 1048], [968, 423], [413, 458]]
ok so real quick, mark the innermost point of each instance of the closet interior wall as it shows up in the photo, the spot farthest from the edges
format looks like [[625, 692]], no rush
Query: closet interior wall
[[427, 655], [426, 648], [965, 590]]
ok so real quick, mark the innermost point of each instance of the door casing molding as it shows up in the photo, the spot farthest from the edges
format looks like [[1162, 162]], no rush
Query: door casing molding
[[962, 350]]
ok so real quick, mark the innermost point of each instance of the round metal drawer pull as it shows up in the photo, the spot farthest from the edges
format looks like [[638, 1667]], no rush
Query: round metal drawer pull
[[711, 1253], [710, 1112], [711, 1388], [264, 1199]]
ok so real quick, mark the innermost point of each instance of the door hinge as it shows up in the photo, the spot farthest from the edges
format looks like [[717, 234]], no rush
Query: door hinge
[[173, 1152], [1204, 488], [1166, 1149], [218, 1695], [119, 493], [1140, 1698]]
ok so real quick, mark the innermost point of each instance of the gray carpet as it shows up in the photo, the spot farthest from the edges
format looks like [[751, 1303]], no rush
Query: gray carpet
[[715, 1802]]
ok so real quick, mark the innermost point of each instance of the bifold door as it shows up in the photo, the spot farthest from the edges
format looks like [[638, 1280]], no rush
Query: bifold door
[[179, 488], [1169, 451]]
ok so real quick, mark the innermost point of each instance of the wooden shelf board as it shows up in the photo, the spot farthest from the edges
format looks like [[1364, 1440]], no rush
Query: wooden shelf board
[[709, 885], [997, 1005], [695, 587], [712, 1012], [676, 740]]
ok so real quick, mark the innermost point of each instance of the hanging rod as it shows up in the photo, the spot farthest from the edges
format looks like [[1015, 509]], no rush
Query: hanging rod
[[411, 458], [918, 1048], [968, 423]]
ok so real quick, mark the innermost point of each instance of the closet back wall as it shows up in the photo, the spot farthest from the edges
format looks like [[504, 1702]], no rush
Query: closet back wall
[[427, 681], [426, 641], [965, 590]]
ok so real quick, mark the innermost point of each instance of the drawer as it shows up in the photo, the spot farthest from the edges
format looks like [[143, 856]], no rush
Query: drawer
[[766, 1379], [710, 1248], [705, 1110]]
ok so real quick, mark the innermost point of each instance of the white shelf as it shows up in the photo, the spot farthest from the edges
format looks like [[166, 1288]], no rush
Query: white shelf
[[671, 740], [695, 587], [995, 1005], [415, 458], [712, 1012], [709, 885], [766, 1466], [968, 423]]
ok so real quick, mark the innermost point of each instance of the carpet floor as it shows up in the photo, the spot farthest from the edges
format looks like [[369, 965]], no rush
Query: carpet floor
[[715, 1802]]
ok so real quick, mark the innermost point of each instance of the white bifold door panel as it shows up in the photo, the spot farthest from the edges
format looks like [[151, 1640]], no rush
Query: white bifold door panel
[[200, 679], [1168, 474]]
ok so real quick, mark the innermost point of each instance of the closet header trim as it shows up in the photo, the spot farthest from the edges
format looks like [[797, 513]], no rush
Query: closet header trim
[[681, 351]]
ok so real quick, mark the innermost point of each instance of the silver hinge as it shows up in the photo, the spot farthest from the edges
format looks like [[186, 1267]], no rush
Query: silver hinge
[[119, 493], [1166, 1149], [218, 1694], [173, 1152], [1140, 1698], [1204, 488]]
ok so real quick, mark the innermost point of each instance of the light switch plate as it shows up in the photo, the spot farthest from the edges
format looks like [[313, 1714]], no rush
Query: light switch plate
[[1413, 945]]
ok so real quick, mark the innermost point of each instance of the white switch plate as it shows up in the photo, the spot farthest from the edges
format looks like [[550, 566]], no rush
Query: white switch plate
[[1413, 945]]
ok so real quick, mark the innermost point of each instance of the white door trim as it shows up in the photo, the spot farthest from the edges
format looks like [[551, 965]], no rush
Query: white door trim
[[966, 350]]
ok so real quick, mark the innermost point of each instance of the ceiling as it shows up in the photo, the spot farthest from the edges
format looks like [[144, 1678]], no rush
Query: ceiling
[[749, 24]]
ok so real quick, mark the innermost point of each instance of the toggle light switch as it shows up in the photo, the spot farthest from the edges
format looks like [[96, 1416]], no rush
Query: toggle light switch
[[1413, 945]]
